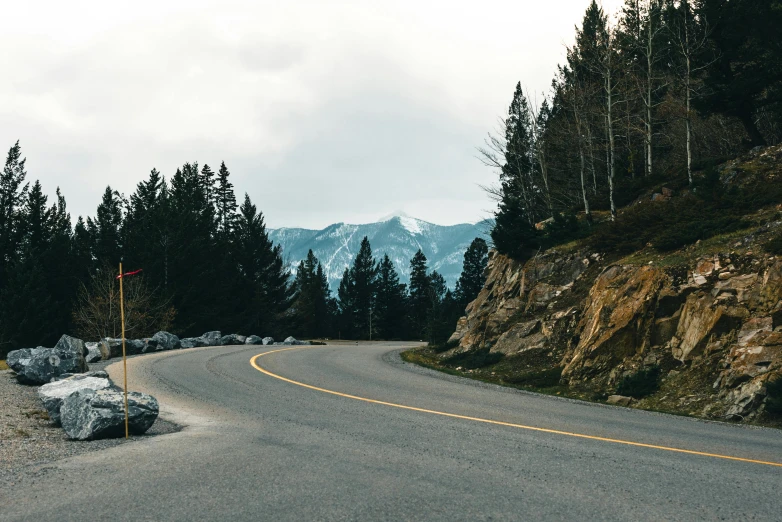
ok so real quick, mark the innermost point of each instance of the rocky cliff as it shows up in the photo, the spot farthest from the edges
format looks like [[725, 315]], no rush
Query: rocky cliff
[[707, 321]]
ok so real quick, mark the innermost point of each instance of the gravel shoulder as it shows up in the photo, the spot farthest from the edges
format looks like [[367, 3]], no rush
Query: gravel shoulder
[[28, 439]]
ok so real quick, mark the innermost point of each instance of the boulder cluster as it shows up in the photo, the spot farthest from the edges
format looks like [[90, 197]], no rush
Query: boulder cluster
[[88, 405]]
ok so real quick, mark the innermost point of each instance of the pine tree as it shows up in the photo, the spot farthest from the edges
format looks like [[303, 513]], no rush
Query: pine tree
[[265, 288], [107, 227], [744, 73], [225, 201], [420, 301], [473, 274], [13, 191], [208, 183], [390, 302]]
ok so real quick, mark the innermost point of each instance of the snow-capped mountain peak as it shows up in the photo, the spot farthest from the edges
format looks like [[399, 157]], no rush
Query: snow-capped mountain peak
[[398, 235]]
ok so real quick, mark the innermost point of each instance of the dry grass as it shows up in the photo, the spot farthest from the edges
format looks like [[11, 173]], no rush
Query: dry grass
[[3, 365]]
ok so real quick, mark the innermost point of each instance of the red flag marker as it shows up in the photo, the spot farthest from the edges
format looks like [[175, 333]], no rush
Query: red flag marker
[[129, 274]]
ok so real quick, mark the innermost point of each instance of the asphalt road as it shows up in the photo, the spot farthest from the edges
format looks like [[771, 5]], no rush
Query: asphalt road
[[260, 447]]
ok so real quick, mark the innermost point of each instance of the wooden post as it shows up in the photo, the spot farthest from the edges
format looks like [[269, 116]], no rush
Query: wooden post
[[124, 358]]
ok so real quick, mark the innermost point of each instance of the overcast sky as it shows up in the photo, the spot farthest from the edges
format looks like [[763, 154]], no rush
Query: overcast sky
[[323, 111]]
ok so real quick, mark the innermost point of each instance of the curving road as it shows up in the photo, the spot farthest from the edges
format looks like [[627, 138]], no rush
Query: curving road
[[349, 432]]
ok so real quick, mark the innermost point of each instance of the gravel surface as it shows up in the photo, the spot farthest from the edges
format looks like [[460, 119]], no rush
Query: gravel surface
[[28, 439]]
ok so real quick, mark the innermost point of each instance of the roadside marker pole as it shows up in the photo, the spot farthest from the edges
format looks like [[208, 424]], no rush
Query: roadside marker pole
[[124, 358]]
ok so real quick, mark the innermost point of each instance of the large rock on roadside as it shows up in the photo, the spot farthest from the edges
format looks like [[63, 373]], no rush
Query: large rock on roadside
[[166, 341], [17, 359], [212, 338], [41, 365], [90, 414], [189, 342], [71, 344], [253, 339], [93, 353], [53, 393], [112, 348], [268, 340], [231, 340], [292, 341]]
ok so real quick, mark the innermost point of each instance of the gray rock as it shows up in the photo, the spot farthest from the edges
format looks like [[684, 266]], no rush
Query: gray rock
[[167, 341], [17, 359], [93, 353], [150, 345], [53, 393], [41, 365], [230, 340], [619, 400], [268, 340], [71, 344], [90, 414], [253, 339], [113, 347], [212, 338], [189, 342], [292, 341], [241, 339]]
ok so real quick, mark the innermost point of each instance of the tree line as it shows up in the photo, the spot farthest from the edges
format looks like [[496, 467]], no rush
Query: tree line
[[371, 303], [664, 89], [207, 261]]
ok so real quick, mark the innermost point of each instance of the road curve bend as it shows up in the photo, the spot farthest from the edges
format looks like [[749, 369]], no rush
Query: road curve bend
[[350, 432]]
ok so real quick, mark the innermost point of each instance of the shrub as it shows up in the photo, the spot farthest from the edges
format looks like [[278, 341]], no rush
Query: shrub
[[640, 384], [444, 347], [540, 379], [774, 246], [474, 359], [774, 396]]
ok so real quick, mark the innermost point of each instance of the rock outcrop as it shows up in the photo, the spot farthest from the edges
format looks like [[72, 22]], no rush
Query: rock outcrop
[[717, 321]]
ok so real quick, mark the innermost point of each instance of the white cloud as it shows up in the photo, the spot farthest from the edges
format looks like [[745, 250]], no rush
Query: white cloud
[[323, 111]]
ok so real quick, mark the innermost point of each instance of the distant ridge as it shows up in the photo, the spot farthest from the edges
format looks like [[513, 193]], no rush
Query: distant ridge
[[398, 235]]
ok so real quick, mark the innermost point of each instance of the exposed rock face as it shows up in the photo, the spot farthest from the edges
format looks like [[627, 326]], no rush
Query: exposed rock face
[[90, 414], [41, 365], [513, 290], [720, 318], [616, 319], [53, 393], [253, 339], [166, 341]]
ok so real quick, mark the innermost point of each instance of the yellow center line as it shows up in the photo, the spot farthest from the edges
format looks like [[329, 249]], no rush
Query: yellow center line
[[254, 363]]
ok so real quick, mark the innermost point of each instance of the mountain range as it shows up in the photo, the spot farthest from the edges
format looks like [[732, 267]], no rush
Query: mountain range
[[398, 235]]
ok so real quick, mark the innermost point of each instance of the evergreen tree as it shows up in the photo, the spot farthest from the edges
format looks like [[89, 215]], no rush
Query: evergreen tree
[[107, 227], [744, 73], [420, 298], [390, 302], [357, 293], [225, 201], [208, 182], [311, 300], [266, 291], [473, 274], [13, 191]]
